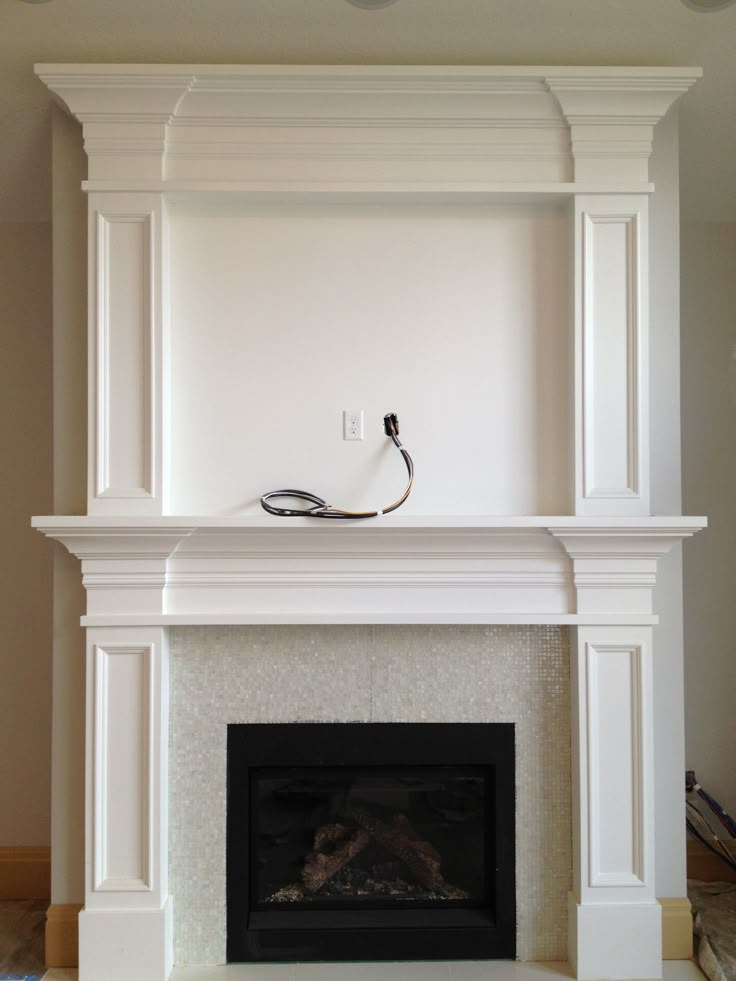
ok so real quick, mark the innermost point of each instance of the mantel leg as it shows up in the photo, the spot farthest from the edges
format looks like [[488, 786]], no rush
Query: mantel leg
[[615, 926], [125, 929]]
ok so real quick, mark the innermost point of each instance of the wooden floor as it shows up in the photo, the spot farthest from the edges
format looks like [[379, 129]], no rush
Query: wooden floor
[[22, 924]]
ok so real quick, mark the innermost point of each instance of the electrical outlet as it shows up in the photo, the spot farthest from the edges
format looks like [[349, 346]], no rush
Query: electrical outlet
[[352, 424]]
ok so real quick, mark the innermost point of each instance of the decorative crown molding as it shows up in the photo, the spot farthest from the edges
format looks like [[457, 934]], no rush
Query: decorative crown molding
[[198, 123]]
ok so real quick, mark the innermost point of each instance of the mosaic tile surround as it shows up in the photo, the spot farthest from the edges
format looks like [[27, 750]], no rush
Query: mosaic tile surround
[[385, 673]]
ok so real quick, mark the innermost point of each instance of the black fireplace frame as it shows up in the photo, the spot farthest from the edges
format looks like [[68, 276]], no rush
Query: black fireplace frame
[[475, 933]]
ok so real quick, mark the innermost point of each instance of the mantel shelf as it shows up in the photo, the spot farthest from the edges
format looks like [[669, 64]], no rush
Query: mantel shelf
[[389, 192], [677, 525]]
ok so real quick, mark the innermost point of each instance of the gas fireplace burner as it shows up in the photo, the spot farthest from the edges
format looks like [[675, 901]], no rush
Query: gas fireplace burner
[[380, 841]]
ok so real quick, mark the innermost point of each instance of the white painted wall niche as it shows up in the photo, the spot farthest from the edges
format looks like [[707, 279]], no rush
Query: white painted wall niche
[[452, 315]]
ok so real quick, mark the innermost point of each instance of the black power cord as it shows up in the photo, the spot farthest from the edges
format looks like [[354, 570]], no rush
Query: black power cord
[[321, 509]]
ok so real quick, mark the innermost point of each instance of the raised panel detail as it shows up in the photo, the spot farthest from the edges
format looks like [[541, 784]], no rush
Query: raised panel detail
[[612, 357], [122, 394], [123, 753], [615, 765]]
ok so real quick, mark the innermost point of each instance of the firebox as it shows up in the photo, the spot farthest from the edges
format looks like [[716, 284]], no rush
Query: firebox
[[370, 841]]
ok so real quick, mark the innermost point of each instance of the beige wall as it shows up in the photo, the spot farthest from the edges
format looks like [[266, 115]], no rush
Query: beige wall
[[70, 497], [709, 487], [25, 489], [664, 368]]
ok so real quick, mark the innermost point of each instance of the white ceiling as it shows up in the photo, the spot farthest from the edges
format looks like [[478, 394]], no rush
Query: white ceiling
[[484, 32]]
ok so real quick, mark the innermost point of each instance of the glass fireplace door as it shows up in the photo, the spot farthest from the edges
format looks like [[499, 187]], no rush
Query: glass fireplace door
[[370, 837], [370, 841]]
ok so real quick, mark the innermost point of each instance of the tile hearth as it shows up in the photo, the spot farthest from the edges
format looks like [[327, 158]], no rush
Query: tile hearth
[[422, 971]]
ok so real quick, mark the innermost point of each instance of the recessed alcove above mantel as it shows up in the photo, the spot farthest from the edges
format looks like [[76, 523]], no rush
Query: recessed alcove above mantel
[[270, 242], [465, 246]]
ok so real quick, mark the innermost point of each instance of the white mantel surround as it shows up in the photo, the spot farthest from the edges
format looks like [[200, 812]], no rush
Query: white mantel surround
[[221, 137]]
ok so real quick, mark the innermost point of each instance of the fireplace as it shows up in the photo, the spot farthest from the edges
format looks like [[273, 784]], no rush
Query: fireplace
[[390, 841], [437, 675], [482, 229]]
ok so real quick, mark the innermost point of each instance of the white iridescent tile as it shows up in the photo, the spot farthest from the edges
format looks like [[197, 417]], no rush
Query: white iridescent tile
[[382, 673]]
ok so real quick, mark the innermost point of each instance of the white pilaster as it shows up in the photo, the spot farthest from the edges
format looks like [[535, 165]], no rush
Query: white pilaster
[[127, 357], [611, 355], [614, 919], [125, 928]]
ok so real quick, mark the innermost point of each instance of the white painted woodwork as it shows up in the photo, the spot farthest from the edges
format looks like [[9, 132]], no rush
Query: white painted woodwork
[[612, 116], [402, 570], [126, 353], [340, 127], [272, 245], [122, 854], [123, 943], [614, 940], [614, 733], [127, 733], [611, 576], [611, 355], [126, 926], [372, 134], [613, 818], [615, 765]]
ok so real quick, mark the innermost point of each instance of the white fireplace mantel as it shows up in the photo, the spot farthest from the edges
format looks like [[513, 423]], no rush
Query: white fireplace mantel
[[221, 136], [173, 570]]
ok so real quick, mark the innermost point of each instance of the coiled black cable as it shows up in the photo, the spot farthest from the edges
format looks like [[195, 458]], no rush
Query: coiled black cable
[[321, 509]]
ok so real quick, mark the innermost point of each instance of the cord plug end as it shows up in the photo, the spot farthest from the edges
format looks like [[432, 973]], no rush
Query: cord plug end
[[391, 424]]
